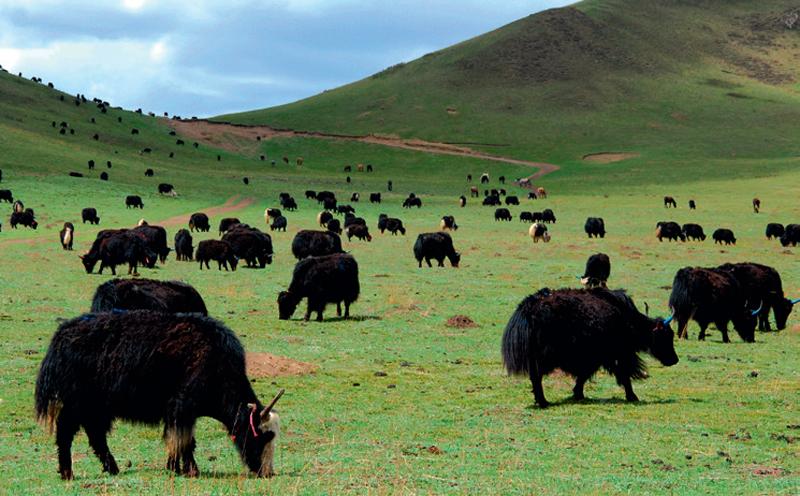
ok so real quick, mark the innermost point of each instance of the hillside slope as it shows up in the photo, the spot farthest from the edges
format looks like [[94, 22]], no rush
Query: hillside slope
[[664, 78]]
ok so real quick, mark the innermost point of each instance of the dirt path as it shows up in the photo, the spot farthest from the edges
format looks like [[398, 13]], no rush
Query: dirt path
[[230, 136], [229, 206]]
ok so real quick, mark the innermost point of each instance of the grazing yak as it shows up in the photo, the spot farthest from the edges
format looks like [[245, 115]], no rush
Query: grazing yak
[[358, 231], [581, 331], [462, 201], [448, 223], [329, 204], [512, 200], [412, 202], [6, 196], [334, 226], [155, 237], [374, 197], [670, 202], [149, 173], [502, 214], [355, 197], [114, 247], [436, 246], [485, 178], [90, 163], [18, 207], [279, 224], [548, 216], [526, 216], [308, 243], [250, 245], [325, 195], [724, 236], [323, 218], [104, 176], [345, 209], [541, 193], [67, 236], [166, 189], [791, 236], [597, 271], [775, 230], [712, 296], [199, 221], [219, 251], [532, 195], [227, 223], [692, 205], [184, 251], [350, 219], [538, 232], [670, 230], [25, 219], [594, 227], [322, 280], [763, 283], [311, 194], [151, 367], [89, 215], [289, 203], [491, 201], [147, 294], [133, 201], [75, 174], [474, 192], [756, 205], [693, 232]]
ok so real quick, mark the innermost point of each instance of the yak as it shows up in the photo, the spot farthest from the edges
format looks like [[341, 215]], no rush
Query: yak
[[374, 197], [279, 224], [712, 296], [670, 202], [775, 230], [502, 214], [670, 230], [594, 227], [762, 283], [219, 251], [114, 247], [250, 244], [693, 232], [581, 331], [183, 246], [324, 217], [133, 201], [334, 226], [90, 215], [308, 243], [358, 231], [199, 221], [448, 222], [548, 216], [597, 272], [151, 367], [323, 279], [791, 235], [538, 232], [147, 294], [155, 237], [725, 236], [437, 246], [227, 223], [67, 236]]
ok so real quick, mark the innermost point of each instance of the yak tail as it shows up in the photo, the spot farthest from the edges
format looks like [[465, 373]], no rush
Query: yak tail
[[48, 404], [680, 300], [516, 345]]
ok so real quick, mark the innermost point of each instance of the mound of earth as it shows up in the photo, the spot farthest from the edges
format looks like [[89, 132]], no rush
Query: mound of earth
[[268, 365], [460, 322], [608, 157]]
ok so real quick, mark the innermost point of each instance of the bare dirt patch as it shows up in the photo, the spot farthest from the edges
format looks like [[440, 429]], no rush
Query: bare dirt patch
[[609, 157], [267, 365], [229, 206], [461, 322]]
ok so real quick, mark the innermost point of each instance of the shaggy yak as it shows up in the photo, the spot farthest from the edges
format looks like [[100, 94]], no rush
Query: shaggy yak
[[183, 246], [437, 246], [251, 245], [147, 294], [323, 280], [579, 332], [67, 236], [315, 243], [200, 222], [219, 251], [763, 283], [150, 367], [597, 272]]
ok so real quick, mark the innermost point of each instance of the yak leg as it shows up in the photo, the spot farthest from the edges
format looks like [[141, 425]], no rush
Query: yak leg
[[702, 335], [683, 328], [97, 440], [577, 391], [763, 319], [346, 309], [428, 261], [420, 263], [536, 382], [723, 328], [338, 308], [441, 262], [625, 382], [66, 429]]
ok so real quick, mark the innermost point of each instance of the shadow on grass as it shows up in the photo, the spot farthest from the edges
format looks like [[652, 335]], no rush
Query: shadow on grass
[[613, 401], [352, 318]]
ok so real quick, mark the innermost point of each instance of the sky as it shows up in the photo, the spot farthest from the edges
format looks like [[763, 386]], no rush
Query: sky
[[204, 58]]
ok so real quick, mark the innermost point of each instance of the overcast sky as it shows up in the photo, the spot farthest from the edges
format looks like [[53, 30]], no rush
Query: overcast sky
[[205, 57]]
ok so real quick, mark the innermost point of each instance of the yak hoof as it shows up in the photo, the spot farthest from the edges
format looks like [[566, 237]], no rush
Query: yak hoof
[[66, 474], [631, 398]]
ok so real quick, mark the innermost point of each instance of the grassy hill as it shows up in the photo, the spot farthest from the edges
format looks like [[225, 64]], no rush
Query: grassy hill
[[671, 80]]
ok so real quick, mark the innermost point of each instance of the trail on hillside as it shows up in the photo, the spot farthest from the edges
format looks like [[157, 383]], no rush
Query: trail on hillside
[[229, 137], [229, 206]]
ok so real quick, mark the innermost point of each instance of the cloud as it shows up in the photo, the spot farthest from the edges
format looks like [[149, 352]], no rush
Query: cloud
[[205, 57]]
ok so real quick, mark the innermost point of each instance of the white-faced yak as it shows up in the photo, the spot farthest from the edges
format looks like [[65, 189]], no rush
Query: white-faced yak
[[323, 280], [712, 295], [580, 332], [597, 272], [150, 367], [147, 294]]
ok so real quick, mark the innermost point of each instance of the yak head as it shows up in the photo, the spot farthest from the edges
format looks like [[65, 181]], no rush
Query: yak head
[[782, 310], [455, 258], [662, 345], [287, 303], [255, 433], [89, 261]]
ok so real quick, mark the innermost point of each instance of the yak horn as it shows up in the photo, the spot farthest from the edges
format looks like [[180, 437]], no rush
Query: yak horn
[[756, 311], [667, 321], [267, 409], [795, 302]]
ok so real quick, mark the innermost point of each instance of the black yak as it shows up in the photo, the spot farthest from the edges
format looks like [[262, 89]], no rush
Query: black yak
[[184, 250], [791, 235], [155, 237], [693, 232], [412, 202], [358, 231], [594, 227], [526, 216], [67, 236], [580, 332], [25, 219], [166, 189], [315, 243], [670, 202], [761, 283], [323, 218], [219, 251], [351, 219], [502, 214], [512, 200], [90, 215], [227, 223], [325, 279], [394, 226], [114, 247], [775, 230], [435, 246], [279, 224], [334, 226], [756, 205], [548, 216], [199, 221], [251, 245], [311, 194], [462, 201], [6, 196], [670, 230], [374, 197], [289, 204], [133, 201], [597, 272], [692, 205], [147, 294], [724, 236], [151, 367], [149, 173], [491, 201], [712, 296], [448, 222]]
